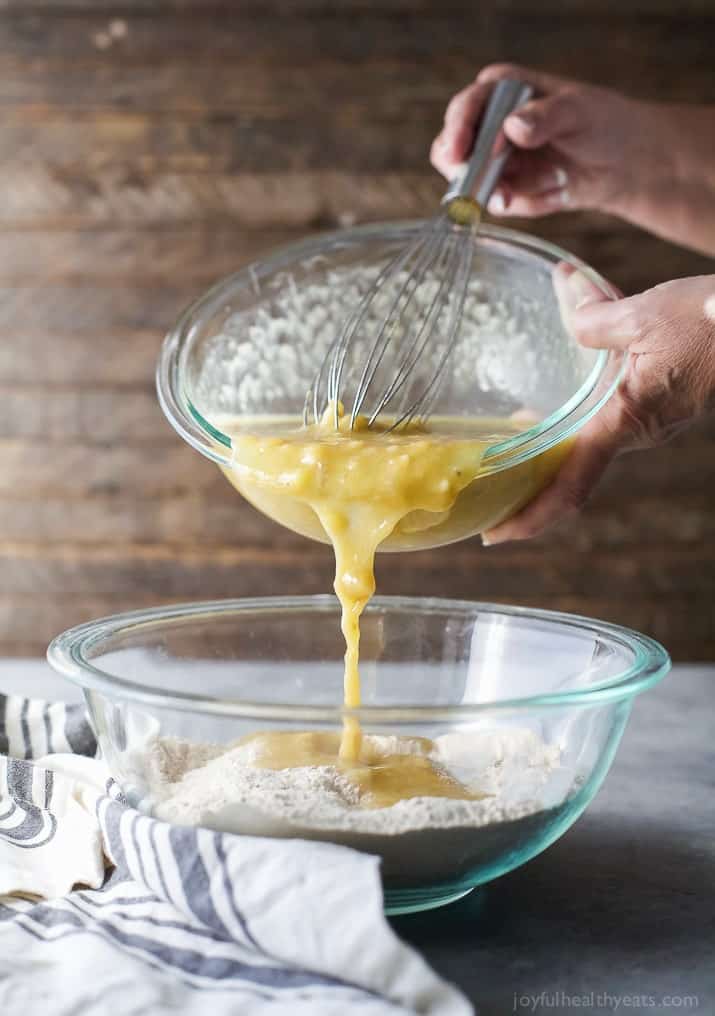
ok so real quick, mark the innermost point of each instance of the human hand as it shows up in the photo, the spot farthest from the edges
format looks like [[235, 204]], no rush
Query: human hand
[[669, 380], [578, 146]]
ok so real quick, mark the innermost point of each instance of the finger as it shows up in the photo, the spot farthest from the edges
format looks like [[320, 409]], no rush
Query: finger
[[532, 184], [546, 120], [530, 173], [466, 103], [460, 118], [504, 202], [451, 146], [581, 289], [440, 160], [573, 289], [442, 155], [542, 82], [613, 324], [594, 449]]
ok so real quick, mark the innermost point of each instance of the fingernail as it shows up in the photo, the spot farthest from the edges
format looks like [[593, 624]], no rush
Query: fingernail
[[486, 542], [558, 198], [523, 120], [580, 289], [561, 177], [496, 204]]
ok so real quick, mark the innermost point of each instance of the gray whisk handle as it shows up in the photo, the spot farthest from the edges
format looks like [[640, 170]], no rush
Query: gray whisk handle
[[479, 175]]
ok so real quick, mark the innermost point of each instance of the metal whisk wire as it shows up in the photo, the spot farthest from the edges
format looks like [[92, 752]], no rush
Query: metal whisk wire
[[390, 324], [334, 359], [423, 404], [441, 255], [414, 351], [420, 251]]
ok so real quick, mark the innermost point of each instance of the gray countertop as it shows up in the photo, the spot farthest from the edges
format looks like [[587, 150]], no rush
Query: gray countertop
[[622, 906]]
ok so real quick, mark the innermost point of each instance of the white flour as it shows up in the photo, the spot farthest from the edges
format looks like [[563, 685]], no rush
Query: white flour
[[424, 837]]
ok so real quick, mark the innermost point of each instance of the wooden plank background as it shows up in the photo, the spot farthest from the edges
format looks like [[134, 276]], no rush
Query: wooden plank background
[[147, 148]]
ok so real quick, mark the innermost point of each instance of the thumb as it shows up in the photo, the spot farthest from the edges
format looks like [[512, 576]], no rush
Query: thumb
[[544, 120], [574, 291], [614, 324], [601, 439]]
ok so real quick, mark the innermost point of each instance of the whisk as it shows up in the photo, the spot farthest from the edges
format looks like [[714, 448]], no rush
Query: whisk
[[395, 345]]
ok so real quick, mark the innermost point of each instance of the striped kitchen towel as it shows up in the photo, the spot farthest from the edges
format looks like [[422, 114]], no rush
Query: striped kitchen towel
[[104, 910]]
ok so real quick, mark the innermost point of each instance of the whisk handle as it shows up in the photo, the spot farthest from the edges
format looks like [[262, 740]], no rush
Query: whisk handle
[[479, 175]]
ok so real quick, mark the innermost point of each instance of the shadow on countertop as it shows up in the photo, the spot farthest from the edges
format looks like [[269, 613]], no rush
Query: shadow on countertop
[[613, 907]]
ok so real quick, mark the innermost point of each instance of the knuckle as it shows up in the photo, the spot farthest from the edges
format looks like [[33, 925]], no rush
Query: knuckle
[[580, 326], [530, 527], [527, 530], [566, 105], [636, 321], [456, 104], [498, 70]]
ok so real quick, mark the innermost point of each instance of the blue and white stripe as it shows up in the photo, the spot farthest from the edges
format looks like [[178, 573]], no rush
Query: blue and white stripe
[[31, 728], [176, 919]]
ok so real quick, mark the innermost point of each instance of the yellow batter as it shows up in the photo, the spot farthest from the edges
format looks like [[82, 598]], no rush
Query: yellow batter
[[381, 776], [364, 489]]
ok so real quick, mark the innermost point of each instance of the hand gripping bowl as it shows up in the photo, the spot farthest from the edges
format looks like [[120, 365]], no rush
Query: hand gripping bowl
[[250, 347], [505, 685]]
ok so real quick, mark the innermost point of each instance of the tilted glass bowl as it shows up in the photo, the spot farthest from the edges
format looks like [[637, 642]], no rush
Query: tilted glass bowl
[[251, 346], [505, 680]]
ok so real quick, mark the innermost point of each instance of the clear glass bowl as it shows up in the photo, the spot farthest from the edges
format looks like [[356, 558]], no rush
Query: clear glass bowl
[[507, 686], [251, 346]]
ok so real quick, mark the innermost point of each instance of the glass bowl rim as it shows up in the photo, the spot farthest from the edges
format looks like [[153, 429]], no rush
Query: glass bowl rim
[[67, 655], [561, 424]]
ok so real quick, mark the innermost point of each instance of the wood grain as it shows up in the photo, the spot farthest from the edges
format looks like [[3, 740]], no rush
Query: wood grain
[[138, 167], [30, 622], [193, 255], [267, 65], [614, 9]]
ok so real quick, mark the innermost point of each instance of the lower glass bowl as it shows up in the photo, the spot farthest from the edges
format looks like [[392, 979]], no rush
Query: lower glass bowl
[[523, 707]]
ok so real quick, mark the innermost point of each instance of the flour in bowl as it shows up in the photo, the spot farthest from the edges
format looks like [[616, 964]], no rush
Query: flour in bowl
[[508, 769]]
